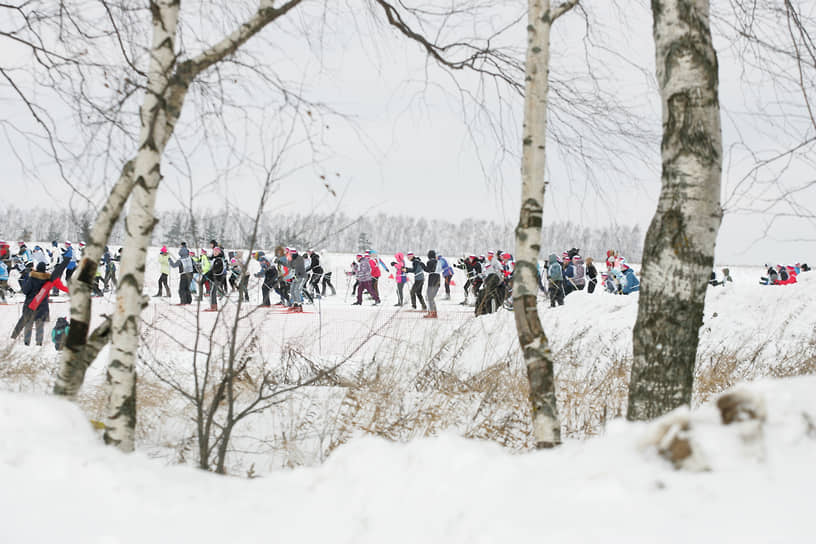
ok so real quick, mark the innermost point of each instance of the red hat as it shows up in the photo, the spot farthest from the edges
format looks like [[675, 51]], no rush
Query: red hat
[[163, 249], [506, 256]]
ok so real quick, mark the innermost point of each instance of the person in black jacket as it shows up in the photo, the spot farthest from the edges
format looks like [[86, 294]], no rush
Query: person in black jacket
[[592, 274], [217, 276], [419, 280], [434, 269], [269, 273], [316, 273], [39, 315]]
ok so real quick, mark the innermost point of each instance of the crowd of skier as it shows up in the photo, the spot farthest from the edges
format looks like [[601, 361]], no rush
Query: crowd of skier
[[297, 277]]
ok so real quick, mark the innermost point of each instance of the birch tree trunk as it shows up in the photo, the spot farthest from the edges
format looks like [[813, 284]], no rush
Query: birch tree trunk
[[534, 343], [79, 353], [156, 127], [678, 254], [167, 87]]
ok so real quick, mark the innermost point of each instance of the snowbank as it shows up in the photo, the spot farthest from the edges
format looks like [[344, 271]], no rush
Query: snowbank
[[60, 484]]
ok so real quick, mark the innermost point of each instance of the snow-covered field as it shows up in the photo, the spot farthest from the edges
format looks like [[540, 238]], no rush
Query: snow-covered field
[[448, 394]]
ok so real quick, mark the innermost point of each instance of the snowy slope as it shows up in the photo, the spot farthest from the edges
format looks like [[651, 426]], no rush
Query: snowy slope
[[441, 489], [60, 483]]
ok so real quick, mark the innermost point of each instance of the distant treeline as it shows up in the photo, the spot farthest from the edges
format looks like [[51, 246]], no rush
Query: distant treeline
[[337, 233]]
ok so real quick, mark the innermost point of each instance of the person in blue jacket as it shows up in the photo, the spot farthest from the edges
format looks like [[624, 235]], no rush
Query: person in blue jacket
[[4, 276], [69, 257], [447, 273], [630, 283]]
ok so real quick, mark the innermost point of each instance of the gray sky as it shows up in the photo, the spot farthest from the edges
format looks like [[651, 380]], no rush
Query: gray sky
[[407, 146]]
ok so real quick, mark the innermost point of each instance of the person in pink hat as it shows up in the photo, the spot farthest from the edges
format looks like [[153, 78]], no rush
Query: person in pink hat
[[164, 268]]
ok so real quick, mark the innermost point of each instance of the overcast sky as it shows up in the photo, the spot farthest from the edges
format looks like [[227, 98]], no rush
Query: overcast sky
[[409, 146]]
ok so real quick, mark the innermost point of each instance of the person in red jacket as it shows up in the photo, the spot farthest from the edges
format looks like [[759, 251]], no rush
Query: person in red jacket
[[37, 288]]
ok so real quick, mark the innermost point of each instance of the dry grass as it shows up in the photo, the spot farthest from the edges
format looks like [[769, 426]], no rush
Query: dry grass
[[387, 395]]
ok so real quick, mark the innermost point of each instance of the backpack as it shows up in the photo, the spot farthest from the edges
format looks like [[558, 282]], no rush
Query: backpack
[[59, 333], [578, 265], [555, 272], [375, 270]]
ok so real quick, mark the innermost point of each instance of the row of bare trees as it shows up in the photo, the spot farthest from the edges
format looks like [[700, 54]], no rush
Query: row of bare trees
[[338, 232]]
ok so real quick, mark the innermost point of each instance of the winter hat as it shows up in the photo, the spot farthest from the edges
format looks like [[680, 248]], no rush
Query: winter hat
[[163, 249], [41, 267], [431, 254], [216, 250], [213, 243], [184, 244], [506, 256], [68, 243], [82, 244], [358, 256], [489, 253], [409, 254], [21, 244]]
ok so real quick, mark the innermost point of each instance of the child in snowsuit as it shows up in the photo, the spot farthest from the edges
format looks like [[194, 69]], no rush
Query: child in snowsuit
[[630, 283]]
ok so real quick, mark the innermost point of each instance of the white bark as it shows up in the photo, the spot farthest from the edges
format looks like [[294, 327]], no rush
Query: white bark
[[166, 90], [155, 131], [679, 251], [534, 343]]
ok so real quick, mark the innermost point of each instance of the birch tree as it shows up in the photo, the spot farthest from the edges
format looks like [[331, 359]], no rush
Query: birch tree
[[678, 252], [534, 343]]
